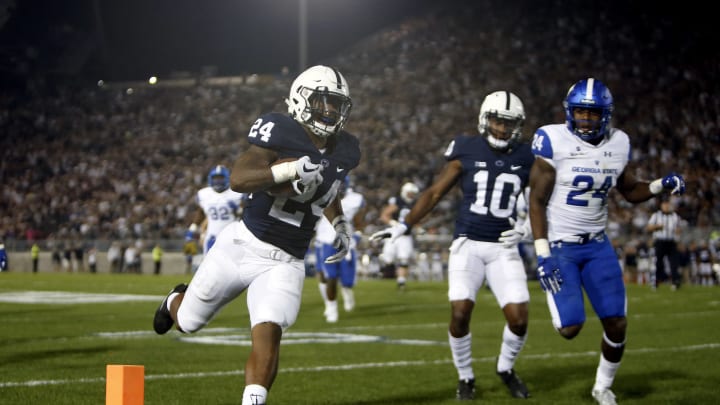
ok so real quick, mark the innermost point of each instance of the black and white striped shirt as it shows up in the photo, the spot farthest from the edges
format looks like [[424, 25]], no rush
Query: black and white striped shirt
[[670, 223]]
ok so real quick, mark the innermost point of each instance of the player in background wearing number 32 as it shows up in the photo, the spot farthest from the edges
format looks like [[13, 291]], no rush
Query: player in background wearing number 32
[[576, 165], [264, 253]]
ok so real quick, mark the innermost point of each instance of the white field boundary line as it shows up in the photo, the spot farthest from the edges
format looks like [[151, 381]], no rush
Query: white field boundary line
[[357, 366], [68, 298]]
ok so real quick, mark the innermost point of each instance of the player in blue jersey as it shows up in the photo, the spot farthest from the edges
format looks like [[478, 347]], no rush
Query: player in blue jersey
[[576, 165], [264, 253], [218, 206], [493, 172], [3, 257]]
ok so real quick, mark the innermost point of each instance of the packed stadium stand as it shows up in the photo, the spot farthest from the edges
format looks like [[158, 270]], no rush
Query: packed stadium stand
[[122, 161]]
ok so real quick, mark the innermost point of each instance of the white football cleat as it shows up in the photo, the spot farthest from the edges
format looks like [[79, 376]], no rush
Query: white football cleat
[[348, 299], [331, 312], [604, 397]]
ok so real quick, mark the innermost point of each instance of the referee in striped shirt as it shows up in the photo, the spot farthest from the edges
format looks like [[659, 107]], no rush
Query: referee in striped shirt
[[665, 227]]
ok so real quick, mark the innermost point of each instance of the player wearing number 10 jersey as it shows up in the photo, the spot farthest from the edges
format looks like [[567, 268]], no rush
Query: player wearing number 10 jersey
[[492, 171], [264, 253]]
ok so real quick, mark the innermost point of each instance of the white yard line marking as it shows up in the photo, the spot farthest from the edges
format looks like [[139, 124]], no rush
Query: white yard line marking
[[64, 297], [357, 366]]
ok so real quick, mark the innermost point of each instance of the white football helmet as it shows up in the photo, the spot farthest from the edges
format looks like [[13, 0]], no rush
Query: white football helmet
[[506, 106], [408, 192], [320, 100]]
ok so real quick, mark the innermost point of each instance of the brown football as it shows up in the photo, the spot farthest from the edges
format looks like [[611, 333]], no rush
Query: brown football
[[284, 189]]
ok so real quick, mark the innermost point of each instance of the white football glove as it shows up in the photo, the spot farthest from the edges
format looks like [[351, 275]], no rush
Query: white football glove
[[393, 232], [517, 233], [309, 176], [342, 239], [308, 171]]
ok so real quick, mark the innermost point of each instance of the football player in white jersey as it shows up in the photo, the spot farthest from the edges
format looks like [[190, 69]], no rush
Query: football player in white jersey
[[308, 154], [493, 172], [399, 251], [353, 204], [218, 206], [576, 165]]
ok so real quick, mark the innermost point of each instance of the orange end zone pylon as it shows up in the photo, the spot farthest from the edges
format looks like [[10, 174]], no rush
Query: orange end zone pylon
[[124, 385]]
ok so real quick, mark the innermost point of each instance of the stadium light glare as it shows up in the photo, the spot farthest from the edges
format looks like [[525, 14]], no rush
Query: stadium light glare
[[152, 80]]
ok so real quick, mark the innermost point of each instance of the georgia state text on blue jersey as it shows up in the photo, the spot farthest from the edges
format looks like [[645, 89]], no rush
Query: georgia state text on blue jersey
[[491, 182], [289, 223], [584, 175]]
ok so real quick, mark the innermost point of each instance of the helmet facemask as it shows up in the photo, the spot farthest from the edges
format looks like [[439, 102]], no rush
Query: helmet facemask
[[219, 184], [502, 132], [592, 128], [219, 179], [327, 112]]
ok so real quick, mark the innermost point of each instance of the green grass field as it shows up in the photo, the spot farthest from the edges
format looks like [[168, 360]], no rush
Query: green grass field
[[391, 350]]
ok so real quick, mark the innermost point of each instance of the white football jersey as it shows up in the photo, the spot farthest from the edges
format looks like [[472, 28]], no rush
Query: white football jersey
[[585, 173], [351, 203], [220, 208]]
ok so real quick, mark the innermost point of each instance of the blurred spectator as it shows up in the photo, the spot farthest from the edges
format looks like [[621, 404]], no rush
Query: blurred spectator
[[114, 256], [190, 250], [704, 263], [56, 255], [35, 256], [131, 260], [157, 253], [630, 262], [67, 258], [79, 254], [92, 259]]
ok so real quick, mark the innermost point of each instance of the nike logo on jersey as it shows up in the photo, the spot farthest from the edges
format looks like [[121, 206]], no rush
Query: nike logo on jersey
[[306, 169], [513, 167], [339, 169]]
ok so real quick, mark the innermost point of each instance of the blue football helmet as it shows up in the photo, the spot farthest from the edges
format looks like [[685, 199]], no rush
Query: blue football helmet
[[219, 178], [591, 94]]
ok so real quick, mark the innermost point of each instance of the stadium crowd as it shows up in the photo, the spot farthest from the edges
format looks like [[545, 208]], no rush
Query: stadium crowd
[[104, 162]]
